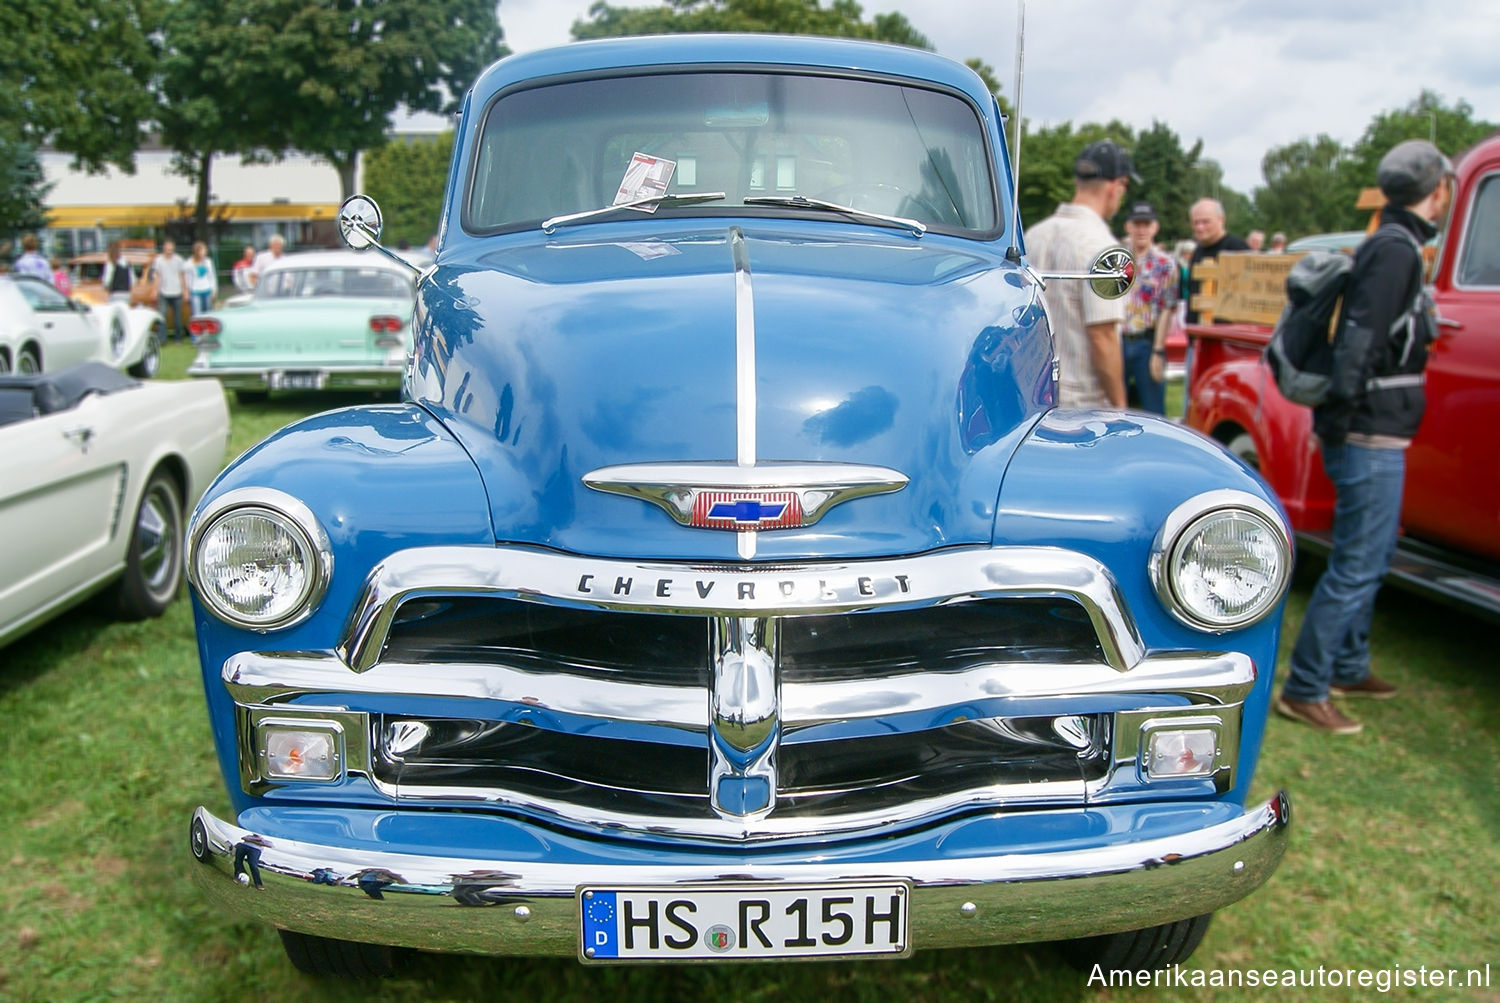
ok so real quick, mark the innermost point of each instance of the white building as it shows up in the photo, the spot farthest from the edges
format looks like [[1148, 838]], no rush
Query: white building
[[297, 196]]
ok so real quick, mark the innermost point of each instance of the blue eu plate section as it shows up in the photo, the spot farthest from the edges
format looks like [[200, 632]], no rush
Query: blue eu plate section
[[739, 922]]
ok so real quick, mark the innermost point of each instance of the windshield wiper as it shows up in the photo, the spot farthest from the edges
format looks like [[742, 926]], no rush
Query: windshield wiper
[[803, 202], [651, 201]]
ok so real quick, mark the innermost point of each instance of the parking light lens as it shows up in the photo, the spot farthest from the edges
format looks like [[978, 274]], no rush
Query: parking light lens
[[1178, 754], [299, 754]]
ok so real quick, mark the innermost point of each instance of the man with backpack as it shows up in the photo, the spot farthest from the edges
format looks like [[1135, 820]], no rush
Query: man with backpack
[[1367, 418]]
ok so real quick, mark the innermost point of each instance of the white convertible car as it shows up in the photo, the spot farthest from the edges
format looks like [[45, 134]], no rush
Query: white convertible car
[[41, 329], [96, 471]]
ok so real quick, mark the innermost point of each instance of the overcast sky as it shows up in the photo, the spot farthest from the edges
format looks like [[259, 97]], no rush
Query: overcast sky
[[1242, 75]]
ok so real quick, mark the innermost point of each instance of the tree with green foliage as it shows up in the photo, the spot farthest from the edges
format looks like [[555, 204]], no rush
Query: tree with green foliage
[[1312, 185], [1309, 188], [260, 77], [842, 19], [76, 76], [408, 179], [342, 69], [1452, 128], [213, 96], [22, 188], [1169, 176]]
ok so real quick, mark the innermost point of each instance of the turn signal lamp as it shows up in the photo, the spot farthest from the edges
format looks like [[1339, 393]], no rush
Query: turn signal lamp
[[299, 753], [1176, 754]]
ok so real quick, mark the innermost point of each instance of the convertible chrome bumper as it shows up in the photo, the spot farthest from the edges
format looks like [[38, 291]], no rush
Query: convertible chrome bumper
[[427, 901]]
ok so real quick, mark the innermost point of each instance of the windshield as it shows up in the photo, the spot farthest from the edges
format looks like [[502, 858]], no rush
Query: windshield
[[358, 283], [880, 147]]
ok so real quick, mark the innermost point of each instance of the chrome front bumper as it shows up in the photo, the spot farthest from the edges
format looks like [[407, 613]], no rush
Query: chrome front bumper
[[428, 901]]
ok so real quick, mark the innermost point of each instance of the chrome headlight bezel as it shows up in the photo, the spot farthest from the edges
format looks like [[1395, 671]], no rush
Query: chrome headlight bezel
[[292, 516], [1185, 523]]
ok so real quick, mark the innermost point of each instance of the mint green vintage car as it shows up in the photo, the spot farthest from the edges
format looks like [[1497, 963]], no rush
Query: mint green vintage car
[[318, 320]]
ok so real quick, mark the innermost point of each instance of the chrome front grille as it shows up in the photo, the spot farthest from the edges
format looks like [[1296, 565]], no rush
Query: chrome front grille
[[739, 702]]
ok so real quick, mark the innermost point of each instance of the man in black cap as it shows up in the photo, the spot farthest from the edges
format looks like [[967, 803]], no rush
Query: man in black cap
[[1148, 312], [1085, 326], [1373, 409]]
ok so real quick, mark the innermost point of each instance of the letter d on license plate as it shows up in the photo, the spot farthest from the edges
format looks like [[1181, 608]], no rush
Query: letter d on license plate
[[744, 922]]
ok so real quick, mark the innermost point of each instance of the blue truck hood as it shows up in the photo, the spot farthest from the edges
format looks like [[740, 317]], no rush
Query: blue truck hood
[[615, 343]]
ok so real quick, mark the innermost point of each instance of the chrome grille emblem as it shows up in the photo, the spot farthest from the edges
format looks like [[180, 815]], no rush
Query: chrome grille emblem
[[766, 496]]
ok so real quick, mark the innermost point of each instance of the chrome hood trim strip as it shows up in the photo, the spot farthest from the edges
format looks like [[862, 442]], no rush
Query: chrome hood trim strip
[[731, 590]]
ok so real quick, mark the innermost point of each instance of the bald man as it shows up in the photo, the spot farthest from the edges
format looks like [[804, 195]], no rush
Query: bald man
[[1207, 219]]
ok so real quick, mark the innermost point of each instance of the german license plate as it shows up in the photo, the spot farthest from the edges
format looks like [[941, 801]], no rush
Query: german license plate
[[297, 381], [744, 922]]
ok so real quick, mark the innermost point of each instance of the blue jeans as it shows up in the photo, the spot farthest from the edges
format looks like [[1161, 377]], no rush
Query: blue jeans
[[1334, 645], [202, 302], [171, 314], [1146, 393]]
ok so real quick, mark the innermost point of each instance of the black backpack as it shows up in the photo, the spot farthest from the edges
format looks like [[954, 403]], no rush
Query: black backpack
[[1300, 352]]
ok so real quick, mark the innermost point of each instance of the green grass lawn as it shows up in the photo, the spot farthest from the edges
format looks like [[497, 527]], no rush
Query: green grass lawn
[[105, 750]]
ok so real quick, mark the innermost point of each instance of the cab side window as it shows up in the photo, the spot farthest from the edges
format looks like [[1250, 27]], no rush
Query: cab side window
[[1480, 265]]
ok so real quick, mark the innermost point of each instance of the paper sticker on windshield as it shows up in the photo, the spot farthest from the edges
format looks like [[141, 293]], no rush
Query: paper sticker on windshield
[[646, 177]]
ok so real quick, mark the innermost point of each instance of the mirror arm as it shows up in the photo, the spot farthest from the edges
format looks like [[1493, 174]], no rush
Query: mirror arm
[[375, 244]]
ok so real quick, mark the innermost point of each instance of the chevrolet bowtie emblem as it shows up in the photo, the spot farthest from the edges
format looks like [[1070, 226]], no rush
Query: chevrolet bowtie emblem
[[765, 496]]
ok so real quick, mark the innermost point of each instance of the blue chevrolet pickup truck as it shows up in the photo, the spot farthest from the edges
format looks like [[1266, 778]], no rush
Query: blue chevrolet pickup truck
[[727, 584]]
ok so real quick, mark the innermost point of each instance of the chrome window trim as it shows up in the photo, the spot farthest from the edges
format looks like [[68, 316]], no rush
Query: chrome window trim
[[772, 590], [1182, 518], [320, 573], [1490, 177]]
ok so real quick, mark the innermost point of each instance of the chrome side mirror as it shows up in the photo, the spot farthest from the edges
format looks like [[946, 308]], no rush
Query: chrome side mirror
[[1113, 273], [360, 222], [1110, 276]]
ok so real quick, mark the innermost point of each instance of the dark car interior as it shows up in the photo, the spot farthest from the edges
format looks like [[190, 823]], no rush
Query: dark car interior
[[32, 395]]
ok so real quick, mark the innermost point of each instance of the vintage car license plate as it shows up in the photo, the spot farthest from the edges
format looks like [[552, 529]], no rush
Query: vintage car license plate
[[297, 381], [743, 922]]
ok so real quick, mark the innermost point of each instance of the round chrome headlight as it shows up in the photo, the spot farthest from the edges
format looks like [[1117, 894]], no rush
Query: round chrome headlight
[[259, 559], [1222, 561]]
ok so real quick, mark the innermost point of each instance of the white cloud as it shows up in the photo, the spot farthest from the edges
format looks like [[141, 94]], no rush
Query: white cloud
[[1243, 76]]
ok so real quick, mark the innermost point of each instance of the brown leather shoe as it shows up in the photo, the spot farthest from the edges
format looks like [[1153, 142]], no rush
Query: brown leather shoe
[[1371, 688], [1321, 714]]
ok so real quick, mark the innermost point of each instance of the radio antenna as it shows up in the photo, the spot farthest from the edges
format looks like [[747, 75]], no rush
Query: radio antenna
[[1014, 253]]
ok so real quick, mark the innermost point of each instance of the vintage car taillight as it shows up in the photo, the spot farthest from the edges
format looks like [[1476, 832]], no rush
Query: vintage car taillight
[[386, 330], [198, 327]]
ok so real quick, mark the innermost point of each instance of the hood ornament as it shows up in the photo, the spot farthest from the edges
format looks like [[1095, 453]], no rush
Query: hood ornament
[[725, 495]]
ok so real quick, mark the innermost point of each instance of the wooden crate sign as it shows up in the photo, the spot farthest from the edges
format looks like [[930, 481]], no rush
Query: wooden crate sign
[[1251, 288]]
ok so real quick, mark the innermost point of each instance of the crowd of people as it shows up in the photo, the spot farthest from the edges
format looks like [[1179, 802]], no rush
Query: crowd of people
[[179, 287], [1111, 354]]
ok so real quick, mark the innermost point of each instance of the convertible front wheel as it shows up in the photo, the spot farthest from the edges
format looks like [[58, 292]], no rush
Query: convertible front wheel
[[153, 567]]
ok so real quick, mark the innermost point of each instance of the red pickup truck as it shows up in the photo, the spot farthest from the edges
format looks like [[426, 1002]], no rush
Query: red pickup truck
[[1451, 512]]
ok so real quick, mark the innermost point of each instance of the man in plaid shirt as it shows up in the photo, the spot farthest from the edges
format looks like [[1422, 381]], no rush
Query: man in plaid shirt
[[1148, 313]]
